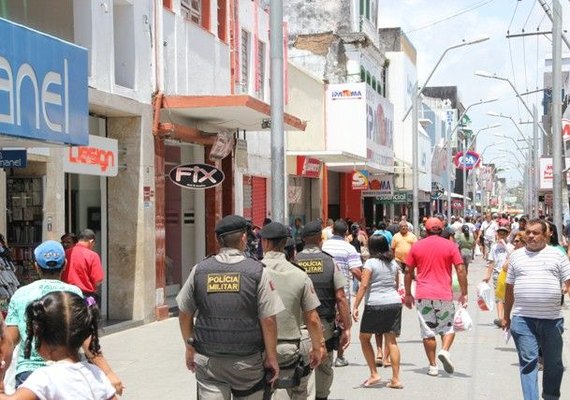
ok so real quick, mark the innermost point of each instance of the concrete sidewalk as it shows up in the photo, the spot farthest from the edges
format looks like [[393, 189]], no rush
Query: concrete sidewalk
[[150, 361]]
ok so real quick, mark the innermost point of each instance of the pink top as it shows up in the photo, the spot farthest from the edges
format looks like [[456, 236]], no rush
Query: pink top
[[433, 258]]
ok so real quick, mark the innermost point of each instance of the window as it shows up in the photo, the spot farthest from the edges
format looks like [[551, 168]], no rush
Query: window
[[191, 9], [260, 73], [362, 74], [244, 56], [222, 18]]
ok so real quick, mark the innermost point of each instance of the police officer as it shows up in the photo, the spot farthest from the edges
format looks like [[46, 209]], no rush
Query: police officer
[[235, 305], [329, 282], [298, 295]]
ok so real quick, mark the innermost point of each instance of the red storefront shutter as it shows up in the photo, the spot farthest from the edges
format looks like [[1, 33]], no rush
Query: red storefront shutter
[[247, 197], [259, 200]]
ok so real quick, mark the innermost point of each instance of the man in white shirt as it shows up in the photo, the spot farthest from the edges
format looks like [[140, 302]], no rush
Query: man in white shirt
[[533, 295]]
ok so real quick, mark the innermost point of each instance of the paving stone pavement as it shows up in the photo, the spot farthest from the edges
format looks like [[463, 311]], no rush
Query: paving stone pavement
[[150, 360]]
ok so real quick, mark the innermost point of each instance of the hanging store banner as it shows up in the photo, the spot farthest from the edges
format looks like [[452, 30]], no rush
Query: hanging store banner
[[43, 87], [546, 173], [196, 176], [308, 167], [100, 157], [360, 180]]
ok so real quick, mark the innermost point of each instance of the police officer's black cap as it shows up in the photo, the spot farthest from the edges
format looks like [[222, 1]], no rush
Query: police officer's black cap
[[312, 228], [230, 224], [274, 230]]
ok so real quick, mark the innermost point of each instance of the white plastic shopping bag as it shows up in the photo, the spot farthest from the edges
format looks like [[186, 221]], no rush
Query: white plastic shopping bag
[[462, 320], [485, 297]]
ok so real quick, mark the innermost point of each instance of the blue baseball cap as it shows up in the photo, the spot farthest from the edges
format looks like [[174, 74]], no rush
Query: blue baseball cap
[[50, 255]]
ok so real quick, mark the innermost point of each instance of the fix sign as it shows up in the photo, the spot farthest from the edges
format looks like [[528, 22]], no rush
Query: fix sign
[[100, 157]]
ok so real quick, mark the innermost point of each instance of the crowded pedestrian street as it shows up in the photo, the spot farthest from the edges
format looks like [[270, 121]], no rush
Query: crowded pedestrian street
[[150, 361]]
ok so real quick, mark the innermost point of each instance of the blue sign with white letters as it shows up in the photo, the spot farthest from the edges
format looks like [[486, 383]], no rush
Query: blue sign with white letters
[[43, 87], [13, 159]]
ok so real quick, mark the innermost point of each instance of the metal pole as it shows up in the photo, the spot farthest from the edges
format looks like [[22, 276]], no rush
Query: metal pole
[[449, 169], [464, 183], [277, 131], [535, 162], [557, 114], [415, 166]]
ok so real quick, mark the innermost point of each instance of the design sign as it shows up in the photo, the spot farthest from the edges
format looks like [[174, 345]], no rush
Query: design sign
[[196, 176], [470, 161]]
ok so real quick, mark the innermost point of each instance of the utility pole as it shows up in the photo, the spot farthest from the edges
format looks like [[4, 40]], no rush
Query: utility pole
[[557, 115], [277, 109], [536, 162], [415, 165]]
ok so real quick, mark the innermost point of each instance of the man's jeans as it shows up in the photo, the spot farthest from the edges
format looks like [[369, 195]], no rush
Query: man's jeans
[[529, 334]]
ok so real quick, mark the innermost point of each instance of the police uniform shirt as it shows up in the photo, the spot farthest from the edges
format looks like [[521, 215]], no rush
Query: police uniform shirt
[[286, 276], [269, 302], [338, 276]]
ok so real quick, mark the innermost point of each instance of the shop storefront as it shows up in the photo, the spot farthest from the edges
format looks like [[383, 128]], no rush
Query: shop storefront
[[43, 104], [304, 190]]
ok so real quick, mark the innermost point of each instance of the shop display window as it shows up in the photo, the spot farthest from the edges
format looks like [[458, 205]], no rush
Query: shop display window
[[24, 199]]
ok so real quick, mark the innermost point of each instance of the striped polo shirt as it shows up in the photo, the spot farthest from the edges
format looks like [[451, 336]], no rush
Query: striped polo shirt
[[537, 277], [344, 254]]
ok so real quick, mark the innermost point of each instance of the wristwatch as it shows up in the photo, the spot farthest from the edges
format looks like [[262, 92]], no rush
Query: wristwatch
[[190, 341]]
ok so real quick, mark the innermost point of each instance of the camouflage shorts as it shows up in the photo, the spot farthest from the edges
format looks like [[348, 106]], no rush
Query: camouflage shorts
[[436, 317]]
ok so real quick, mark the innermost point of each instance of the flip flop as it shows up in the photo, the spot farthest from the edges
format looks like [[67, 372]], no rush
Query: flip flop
[[366, 384], [392, 386]]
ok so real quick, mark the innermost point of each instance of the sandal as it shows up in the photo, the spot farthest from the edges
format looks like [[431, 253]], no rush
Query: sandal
[[367, 383], [379, 361], [394, 385]]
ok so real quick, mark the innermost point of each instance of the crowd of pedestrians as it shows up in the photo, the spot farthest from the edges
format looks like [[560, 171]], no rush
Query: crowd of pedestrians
[[290, 318]]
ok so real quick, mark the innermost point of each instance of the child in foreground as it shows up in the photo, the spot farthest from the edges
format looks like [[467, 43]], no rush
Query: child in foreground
[[57, 325]]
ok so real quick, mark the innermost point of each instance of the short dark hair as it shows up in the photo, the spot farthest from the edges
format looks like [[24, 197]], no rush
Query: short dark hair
[[340, 227], [231, 239], [85, 235], [541, 222], [62, 319]]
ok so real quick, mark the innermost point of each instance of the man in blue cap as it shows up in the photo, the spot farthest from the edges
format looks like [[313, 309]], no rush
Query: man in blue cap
[[49, 262], [234, 337]]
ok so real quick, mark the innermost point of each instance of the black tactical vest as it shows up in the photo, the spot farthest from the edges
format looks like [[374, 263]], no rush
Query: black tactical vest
[[227, 322], [320, 268]]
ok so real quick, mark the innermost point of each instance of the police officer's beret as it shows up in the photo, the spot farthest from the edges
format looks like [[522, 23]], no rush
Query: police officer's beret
[[231, 223], [274, 230], [312, 228]]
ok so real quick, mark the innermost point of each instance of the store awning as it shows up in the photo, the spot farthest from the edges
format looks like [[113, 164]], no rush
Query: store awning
[[329, 156], [228, 112]]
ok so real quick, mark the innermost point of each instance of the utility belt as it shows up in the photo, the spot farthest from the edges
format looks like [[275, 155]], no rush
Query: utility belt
[[300, 367]]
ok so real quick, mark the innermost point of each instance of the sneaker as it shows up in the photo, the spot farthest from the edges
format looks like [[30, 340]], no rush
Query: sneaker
[[445, 359], [433, 370], [340, 362]]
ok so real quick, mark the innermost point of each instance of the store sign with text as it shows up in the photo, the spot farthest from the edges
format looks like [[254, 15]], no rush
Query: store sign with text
[[456, 204], [546, 173], [13, 159], [379, 185], [468, 161], [308, 167], [196, 176], [397, 197], [100, 157], [43, 87]]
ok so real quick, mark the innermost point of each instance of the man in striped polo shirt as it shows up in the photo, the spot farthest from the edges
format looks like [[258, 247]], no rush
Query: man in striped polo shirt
[[533, 295], [349, 262]]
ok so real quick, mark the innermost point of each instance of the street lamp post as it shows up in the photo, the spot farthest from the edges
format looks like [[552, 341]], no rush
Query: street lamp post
[[537, 127], [448, 144], [415, 133], [532, 179]]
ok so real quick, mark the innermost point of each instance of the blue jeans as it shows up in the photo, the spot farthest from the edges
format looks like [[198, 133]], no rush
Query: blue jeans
[[530, 334]]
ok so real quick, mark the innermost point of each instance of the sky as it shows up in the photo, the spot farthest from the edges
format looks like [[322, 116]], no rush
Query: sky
[[434, 25]]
